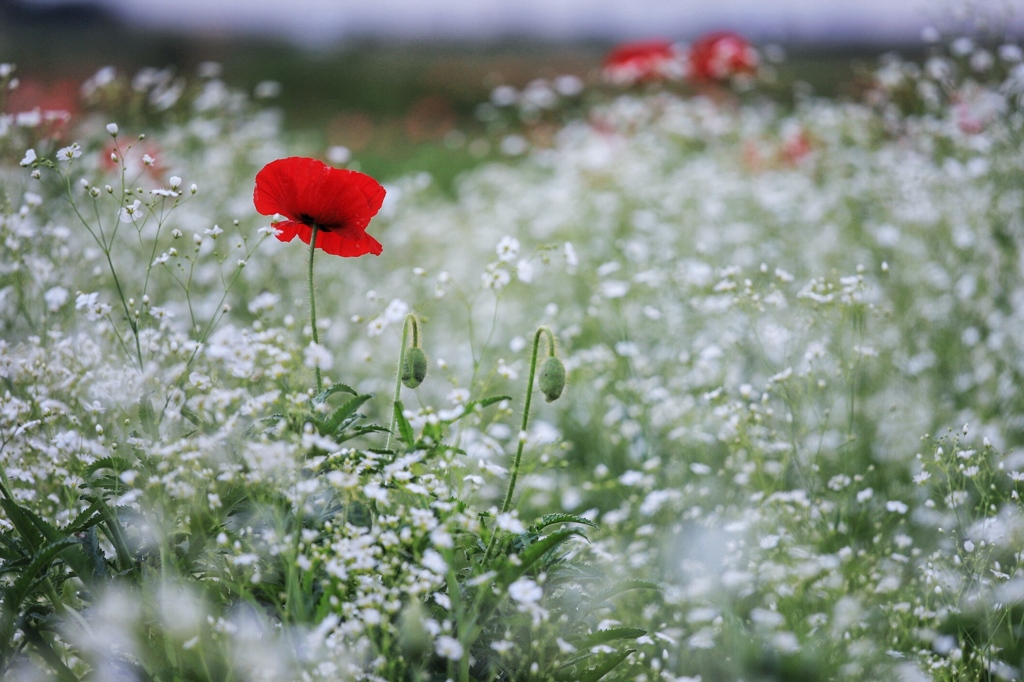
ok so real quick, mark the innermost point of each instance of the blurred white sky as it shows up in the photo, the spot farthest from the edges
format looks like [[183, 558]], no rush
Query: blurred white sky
[[316, 22]]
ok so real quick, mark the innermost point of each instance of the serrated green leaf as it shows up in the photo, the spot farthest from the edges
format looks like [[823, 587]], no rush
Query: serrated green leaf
[[44, 649], [323, 395], [561, 517], [18, 516], [147, 417], [619, 588], [533, 553], [190, 415], [610, 635], [112, 528], [336, 422], [22, 587], [405, 431], [45, 528], [357, 431], [118, 464], [474, 405], [606, 666]]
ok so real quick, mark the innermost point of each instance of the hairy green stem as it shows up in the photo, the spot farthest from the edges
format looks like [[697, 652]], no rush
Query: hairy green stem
[[398, 375], [514, 473], [312, 304]]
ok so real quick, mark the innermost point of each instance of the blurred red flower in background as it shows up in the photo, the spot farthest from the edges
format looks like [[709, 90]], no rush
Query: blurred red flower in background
[[48, 107], [307, 192], [643, 61], [719, 56]]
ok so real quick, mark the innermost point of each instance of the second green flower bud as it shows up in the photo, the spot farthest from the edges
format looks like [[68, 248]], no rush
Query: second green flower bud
[[414, 367], [552, 378]]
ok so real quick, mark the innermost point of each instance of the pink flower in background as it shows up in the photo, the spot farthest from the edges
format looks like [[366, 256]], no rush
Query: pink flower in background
[[643, 62], [975, 108], [719, 56]]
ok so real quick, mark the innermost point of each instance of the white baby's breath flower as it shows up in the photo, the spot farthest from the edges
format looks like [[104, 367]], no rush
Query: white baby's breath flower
[[505, 371], [396, 311], [525, 591], [131, 213], [524, 271], [72, 151], [459, 396], [112, 129], [507, 249], [897, 507], [317, 356], [339, 155], [496, 278], [448, 647], [55, 298], [571, 259], [265, 301], [510, 523], [29, 158], [434, 562]]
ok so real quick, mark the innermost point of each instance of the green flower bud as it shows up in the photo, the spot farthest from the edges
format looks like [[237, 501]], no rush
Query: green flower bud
[[552, 378], [414, 367]]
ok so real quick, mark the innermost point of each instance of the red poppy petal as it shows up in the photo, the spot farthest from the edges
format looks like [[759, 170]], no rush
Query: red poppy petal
[[304, 232], [287, 229], [348, 243], [372, 191], [344, 199], [307, 191]]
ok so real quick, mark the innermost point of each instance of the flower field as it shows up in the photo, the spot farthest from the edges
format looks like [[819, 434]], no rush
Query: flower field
[[780, 346]]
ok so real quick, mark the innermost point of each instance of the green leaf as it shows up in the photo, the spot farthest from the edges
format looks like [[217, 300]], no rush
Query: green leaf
[[19, 518], [48, 531], [487, 402], [357, 431], [118, 464], [533, 553], [190, 415], [604, 636], [112, 528], [405, 431], [336, 422], [147, 417], [45, 651], [619, 588], [551, 519], [22, 587], [606, 666], [323, 395]]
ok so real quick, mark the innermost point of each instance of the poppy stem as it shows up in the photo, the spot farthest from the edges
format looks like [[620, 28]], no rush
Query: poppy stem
[[514, 473], [401, 366], [312, 305]]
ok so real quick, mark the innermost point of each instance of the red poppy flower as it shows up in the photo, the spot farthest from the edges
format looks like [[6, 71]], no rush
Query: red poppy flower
[[720, 56], [643, 61], [307, 192]]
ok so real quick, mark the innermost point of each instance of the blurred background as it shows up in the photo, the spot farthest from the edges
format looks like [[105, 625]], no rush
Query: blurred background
[[376, 76]]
